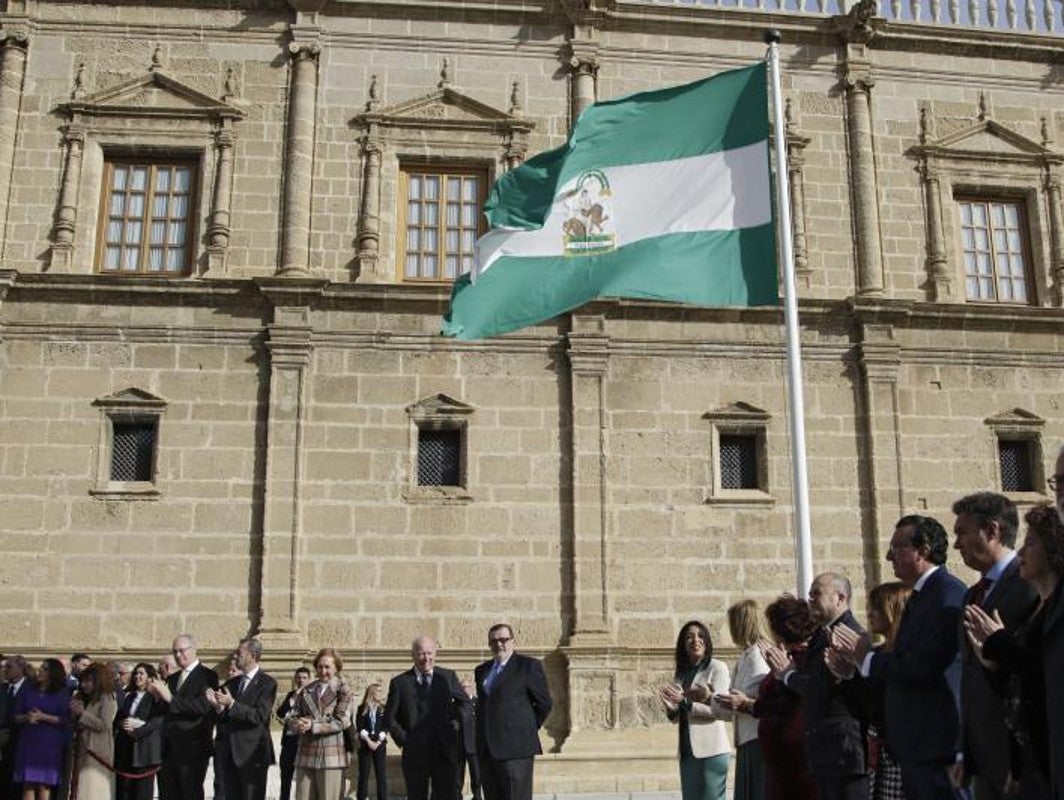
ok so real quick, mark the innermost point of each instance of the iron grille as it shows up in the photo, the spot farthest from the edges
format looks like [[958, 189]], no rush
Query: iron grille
[[1014, 456], [738, 462], [439, 456], [132, 449]]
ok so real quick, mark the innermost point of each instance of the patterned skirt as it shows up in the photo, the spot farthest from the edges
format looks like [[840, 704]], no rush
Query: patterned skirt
[[885, 779]]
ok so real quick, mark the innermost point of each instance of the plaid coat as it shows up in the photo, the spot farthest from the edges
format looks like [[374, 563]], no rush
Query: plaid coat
[[323, 746]]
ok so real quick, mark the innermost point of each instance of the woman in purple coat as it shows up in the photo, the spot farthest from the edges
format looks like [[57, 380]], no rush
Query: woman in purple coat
[[42, 713]]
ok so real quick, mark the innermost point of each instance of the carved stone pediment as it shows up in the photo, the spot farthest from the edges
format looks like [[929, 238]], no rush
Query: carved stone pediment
[[738, 411], [438, 405], [131, 398], [986, 138], [1015, 418], [445, 108], [154, 94]]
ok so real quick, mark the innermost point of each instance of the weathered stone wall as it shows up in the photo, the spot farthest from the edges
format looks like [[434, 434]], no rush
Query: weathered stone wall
[[292, 362]]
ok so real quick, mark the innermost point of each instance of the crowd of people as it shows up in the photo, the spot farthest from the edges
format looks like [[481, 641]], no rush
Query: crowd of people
[[100, 731], [951, 692]]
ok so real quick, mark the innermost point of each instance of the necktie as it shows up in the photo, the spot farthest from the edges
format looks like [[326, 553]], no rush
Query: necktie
[[489, 681], [980, 591], [181, 679], [243, 685]]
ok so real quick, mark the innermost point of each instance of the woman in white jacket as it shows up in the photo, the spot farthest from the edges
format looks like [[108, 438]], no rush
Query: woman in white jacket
[[746, 628], [704, 744]]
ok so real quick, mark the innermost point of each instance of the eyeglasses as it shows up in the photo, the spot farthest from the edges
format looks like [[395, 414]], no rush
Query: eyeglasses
[[501, 640], [1055, 481], [894, 548]]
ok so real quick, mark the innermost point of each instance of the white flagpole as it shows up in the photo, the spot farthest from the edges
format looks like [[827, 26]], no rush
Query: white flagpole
[[803, 544]]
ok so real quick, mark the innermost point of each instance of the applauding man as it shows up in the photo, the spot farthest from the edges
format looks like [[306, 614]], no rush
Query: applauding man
[[244, 747]]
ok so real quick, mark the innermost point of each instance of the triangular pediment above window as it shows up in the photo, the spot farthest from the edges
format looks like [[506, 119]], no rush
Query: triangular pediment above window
[[738, 411], [131, 397], [152, 95], [444, 107], [439, 405], [1015, 417], [987, 137]]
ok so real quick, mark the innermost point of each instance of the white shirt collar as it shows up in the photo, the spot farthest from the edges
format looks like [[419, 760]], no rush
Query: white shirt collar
[[188, 670], [923, 578], [252, 674], [996, 571]]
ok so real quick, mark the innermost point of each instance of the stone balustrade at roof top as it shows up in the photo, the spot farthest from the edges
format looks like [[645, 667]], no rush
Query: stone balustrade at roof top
[[1018, 16]]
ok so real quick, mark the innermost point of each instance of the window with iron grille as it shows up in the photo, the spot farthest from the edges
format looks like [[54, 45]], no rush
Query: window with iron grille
[[1017, 472], [147, 220], [993, 239], [439, 457], [132, 450], [738, 461], [439, 221]]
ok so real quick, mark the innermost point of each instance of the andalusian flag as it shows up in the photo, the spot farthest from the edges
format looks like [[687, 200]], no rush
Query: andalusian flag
[[662, 195]]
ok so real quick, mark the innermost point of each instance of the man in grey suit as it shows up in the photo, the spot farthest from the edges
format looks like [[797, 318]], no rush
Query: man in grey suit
[[985, 533]]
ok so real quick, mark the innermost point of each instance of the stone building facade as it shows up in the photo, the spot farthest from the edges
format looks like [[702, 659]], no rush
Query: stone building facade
[[220, 371]]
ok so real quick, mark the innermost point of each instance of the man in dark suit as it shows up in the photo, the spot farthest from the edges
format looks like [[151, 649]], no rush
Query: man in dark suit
[[1053, 655], [918, 674], [467, 742], [513, 701], [421, 717], [14, 681], [244, 747], [834, 711], [985, 533], [189, 723]]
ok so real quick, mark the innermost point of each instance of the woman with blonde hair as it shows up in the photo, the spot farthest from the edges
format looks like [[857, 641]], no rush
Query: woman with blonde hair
[[372, 743], [322, 711], [886, 603], [747, 629]]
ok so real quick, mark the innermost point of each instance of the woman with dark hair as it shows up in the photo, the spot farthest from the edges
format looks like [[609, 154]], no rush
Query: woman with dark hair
[[93, 710], [781, 725], [704, 746], [139, 736], [289, 738], [1019, 655], [42, 714], [886, 603]]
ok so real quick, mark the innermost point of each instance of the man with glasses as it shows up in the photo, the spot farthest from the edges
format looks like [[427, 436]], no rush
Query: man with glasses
[[920, 674], [189, 723], [512, 703]]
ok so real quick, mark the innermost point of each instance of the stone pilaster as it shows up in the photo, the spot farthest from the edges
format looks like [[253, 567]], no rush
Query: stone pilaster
[[1056, 233], [370, 216], [859, 81], [13, 47], [796, 144], [879, 361], [218, 230], [304, 50], [66, 217], [937, 267], [289, 346], [583, 66], [588, 361]]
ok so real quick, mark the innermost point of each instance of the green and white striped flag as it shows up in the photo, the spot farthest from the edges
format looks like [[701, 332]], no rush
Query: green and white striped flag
[[662, 195]]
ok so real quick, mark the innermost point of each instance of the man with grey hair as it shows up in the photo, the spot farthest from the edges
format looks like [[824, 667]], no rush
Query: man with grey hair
[[1056, 483], [421, 715], [244, 706], [834, 710], [189, 723]]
